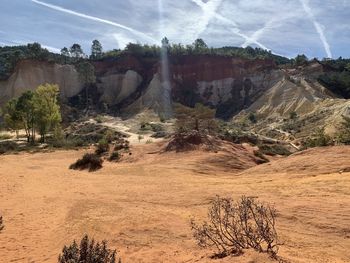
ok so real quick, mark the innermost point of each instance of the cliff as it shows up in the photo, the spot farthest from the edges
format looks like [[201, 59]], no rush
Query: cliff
[[29, 74], [129, 84]]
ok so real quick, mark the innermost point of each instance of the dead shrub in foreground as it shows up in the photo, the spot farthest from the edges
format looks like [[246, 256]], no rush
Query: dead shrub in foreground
[[1, 224], [89, 161], [87, 252], [234, 226]]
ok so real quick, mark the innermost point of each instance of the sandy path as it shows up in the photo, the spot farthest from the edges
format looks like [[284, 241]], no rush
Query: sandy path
[[143, 208]]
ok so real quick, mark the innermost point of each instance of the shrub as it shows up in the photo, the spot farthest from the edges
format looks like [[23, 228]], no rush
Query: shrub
[[87, 252], [89, 161], [274, 149], [262, 159], [234, 226], [319, 139], [115, 156], [102, 146], [5, 136], [149, 141], [1, 224], [99, 119], [344, 131], [8, 146]]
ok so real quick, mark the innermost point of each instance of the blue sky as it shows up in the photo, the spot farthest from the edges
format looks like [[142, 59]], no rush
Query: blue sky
[[318, 28]]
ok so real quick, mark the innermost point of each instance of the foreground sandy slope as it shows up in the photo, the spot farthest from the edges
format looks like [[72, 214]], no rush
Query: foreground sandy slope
[[143, 207]]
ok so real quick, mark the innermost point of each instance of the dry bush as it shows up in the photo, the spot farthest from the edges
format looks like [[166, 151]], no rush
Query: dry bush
[[115, 156], [188, 141], [1, 224], [234, 226], [87, 252], [89, 161]]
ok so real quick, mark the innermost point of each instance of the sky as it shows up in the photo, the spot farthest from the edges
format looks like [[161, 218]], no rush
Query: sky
[[317, 28]]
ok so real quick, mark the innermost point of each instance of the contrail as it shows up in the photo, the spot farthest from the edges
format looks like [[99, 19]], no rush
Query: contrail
[[318, 27], [97, 19], [257, 34], [225, 20]]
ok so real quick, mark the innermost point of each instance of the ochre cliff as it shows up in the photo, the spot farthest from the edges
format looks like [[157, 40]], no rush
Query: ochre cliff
[[28, 75], [130, 84]]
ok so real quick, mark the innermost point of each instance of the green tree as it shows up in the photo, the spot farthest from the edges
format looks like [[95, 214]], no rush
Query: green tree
[[198, 118], [200, 46], [12, 117], [96, 50], [65, 54], [76, 51], [87, 76], [25, 109], [301, 60], [46, 109]]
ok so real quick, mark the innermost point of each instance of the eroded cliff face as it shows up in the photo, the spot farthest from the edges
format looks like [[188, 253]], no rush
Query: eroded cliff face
[[228, 84], [29, 74], [130, 84]]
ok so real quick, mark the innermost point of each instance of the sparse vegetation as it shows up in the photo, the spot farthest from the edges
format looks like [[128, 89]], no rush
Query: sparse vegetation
[[1, 224], [262, 159], [344, 132], [274, 149], [115, 156], [252, 117], [102, 146], [88, 251], [199, 118], [235, 226], [90, 161], [318, 139], [8, 146]]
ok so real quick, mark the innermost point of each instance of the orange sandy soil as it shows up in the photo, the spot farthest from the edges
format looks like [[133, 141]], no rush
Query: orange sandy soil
[[143, 205]]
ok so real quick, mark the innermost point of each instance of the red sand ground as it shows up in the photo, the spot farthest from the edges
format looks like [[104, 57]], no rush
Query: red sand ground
[[143, 205]]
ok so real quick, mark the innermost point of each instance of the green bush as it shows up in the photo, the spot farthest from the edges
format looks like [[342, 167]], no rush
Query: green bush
[[274, 149], [115, 156], [318, 139], [90, 161], [87, 252], [102, 147]]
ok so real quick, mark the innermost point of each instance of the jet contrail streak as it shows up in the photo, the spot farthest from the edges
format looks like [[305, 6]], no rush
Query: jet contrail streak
[[97, 19], [235, 31], [318, 27]]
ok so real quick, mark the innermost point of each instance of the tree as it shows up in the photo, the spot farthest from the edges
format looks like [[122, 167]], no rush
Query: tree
[[165, 42], [34, 50], [25, 109], [46, 109], [301, 60], [198, 118], [65, 53], [87, 76], [12, 117], [200, 46], [76, 51], [96, 50]]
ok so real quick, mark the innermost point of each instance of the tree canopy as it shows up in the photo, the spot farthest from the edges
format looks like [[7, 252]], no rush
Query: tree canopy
[[34, 111]]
